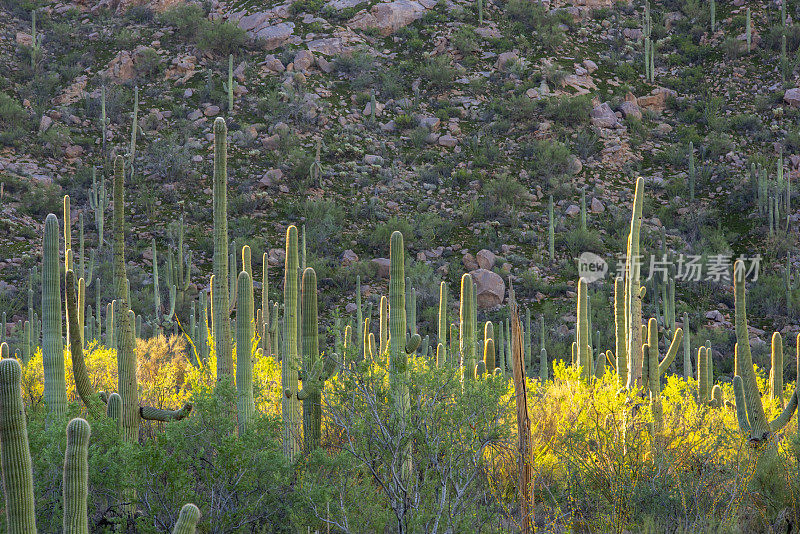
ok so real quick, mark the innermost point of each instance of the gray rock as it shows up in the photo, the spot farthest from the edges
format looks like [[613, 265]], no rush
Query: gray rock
[[491, 288], [603, 116], [792, 97], [486, 259]]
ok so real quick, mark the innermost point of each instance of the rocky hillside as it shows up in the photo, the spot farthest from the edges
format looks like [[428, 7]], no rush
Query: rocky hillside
[[455, 122]]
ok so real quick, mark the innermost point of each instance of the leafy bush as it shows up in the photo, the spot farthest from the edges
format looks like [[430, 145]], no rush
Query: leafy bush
[[187, 19], [438, 71], [221, 38]]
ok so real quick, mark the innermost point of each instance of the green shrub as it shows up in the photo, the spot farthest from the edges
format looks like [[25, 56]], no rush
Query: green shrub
[[566, 110], [221, 38], [187, 19], [438, 71]]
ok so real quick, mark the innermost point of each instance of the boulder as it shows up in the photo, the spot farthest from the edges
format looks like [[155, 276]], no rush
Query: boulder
[[486, 259], [469, 262], [388, 17], [603, 116], [274, 36], [303, 60], [491, 288], [382, 265], [349, 258], [792, 97]]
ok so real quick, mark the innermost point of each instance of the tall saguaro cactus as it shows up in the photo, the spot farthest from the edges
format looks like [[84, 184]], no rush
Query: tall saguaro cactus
[[76, 477], [749, 410], [290, 406], [584, 351], [633, 292], [442, 323], [398, 348], [467, 331], [244, 351], [55, 389], [15, 456], [221, 297]]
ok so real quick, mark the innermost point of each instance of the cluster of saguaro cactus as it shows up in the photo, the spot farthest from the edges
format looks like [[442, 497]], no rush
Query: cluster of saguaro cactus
[[649, 45], [656, 367]]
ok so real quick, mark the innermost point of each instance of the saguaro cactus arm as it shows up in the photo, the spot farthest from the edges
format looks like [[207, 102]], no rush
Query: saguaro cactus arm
[[82, 382], [149, 413]]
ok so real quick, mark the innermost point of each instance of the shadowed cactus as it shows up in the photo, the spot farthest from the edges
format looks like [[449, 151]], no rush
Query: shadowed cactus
[[290, 406], [220, 292], [55, 389], [76, 477], [244, 351], [15, 456]]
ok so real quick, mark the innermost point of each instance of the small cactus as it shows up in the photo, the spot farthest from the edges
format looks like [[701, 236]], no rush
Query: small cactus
[[76, 477], [244, 351], [187, 520]]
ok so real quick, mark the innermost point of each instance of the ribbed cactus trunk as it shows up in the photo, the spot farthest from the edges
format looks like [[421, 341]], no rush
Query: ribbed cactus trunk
[[118, 264], [467, 330], [83, 384], [359, 318], [221, 296], [312, 403], [442, 325], [619, 331], [633, 298], [244, 351], [489, 357], [55, 389], [76, 477], [187, 520], [15, 456], [398, 358], [687, 348], [383, 325], [758, 426], [584, 351], [776, 373], [290, 406]]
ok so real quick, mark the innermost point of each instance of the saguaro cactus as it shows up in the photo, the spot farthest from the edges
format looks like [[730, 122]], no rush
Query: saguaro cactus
[[79, 371], [187, 520], [776, 373], [244, 351], [466, 330], [15, 456], [290, 407], [442, 324], [55, 389], [221, 304], [398, 348], [76, 477], [749, 410], [315, 372], [633, 292], [584, 351]]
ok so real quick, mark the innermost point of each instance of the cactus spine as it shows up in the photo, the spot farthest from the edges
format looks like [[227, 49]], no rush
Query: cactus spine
[[244, 351], [55, 389], [187, 520], [76, 477], [221, 297], [15, 456], [466, 330], [290, 406]]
